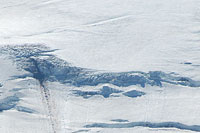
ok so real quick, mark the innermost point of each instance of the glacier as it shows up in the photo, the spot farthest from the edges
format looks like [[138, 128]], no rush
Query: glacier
[[99, 66]]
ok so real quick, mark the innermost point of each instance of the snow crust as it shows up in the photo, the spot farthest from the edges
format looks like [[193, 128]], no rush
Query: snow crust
[[69, 66]]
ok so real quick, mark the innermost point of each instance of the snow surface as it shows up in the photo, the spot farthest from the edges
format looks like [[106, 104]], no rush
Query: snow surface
[[69, 66]]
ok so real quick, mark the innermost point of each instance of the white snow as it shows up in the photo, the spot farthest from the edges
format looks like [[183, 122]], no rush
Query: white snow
[[110, 35]]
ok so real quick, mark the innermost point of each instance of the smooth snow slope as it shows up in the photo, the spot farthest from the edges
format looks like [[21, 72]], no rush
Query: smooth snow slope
[[114, 35], [74, 81]]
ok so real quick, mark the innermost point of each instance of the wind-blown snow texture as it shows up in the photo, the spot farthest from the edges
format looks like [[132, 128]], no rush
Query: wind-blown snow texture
[[99, 66], [44, 66], [8, 103], [147, 124]]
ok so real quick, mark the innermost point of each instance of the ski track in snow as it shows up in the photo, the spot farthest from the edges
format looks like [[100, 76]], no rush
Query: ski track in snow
[[32, 58], [51, 107]]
